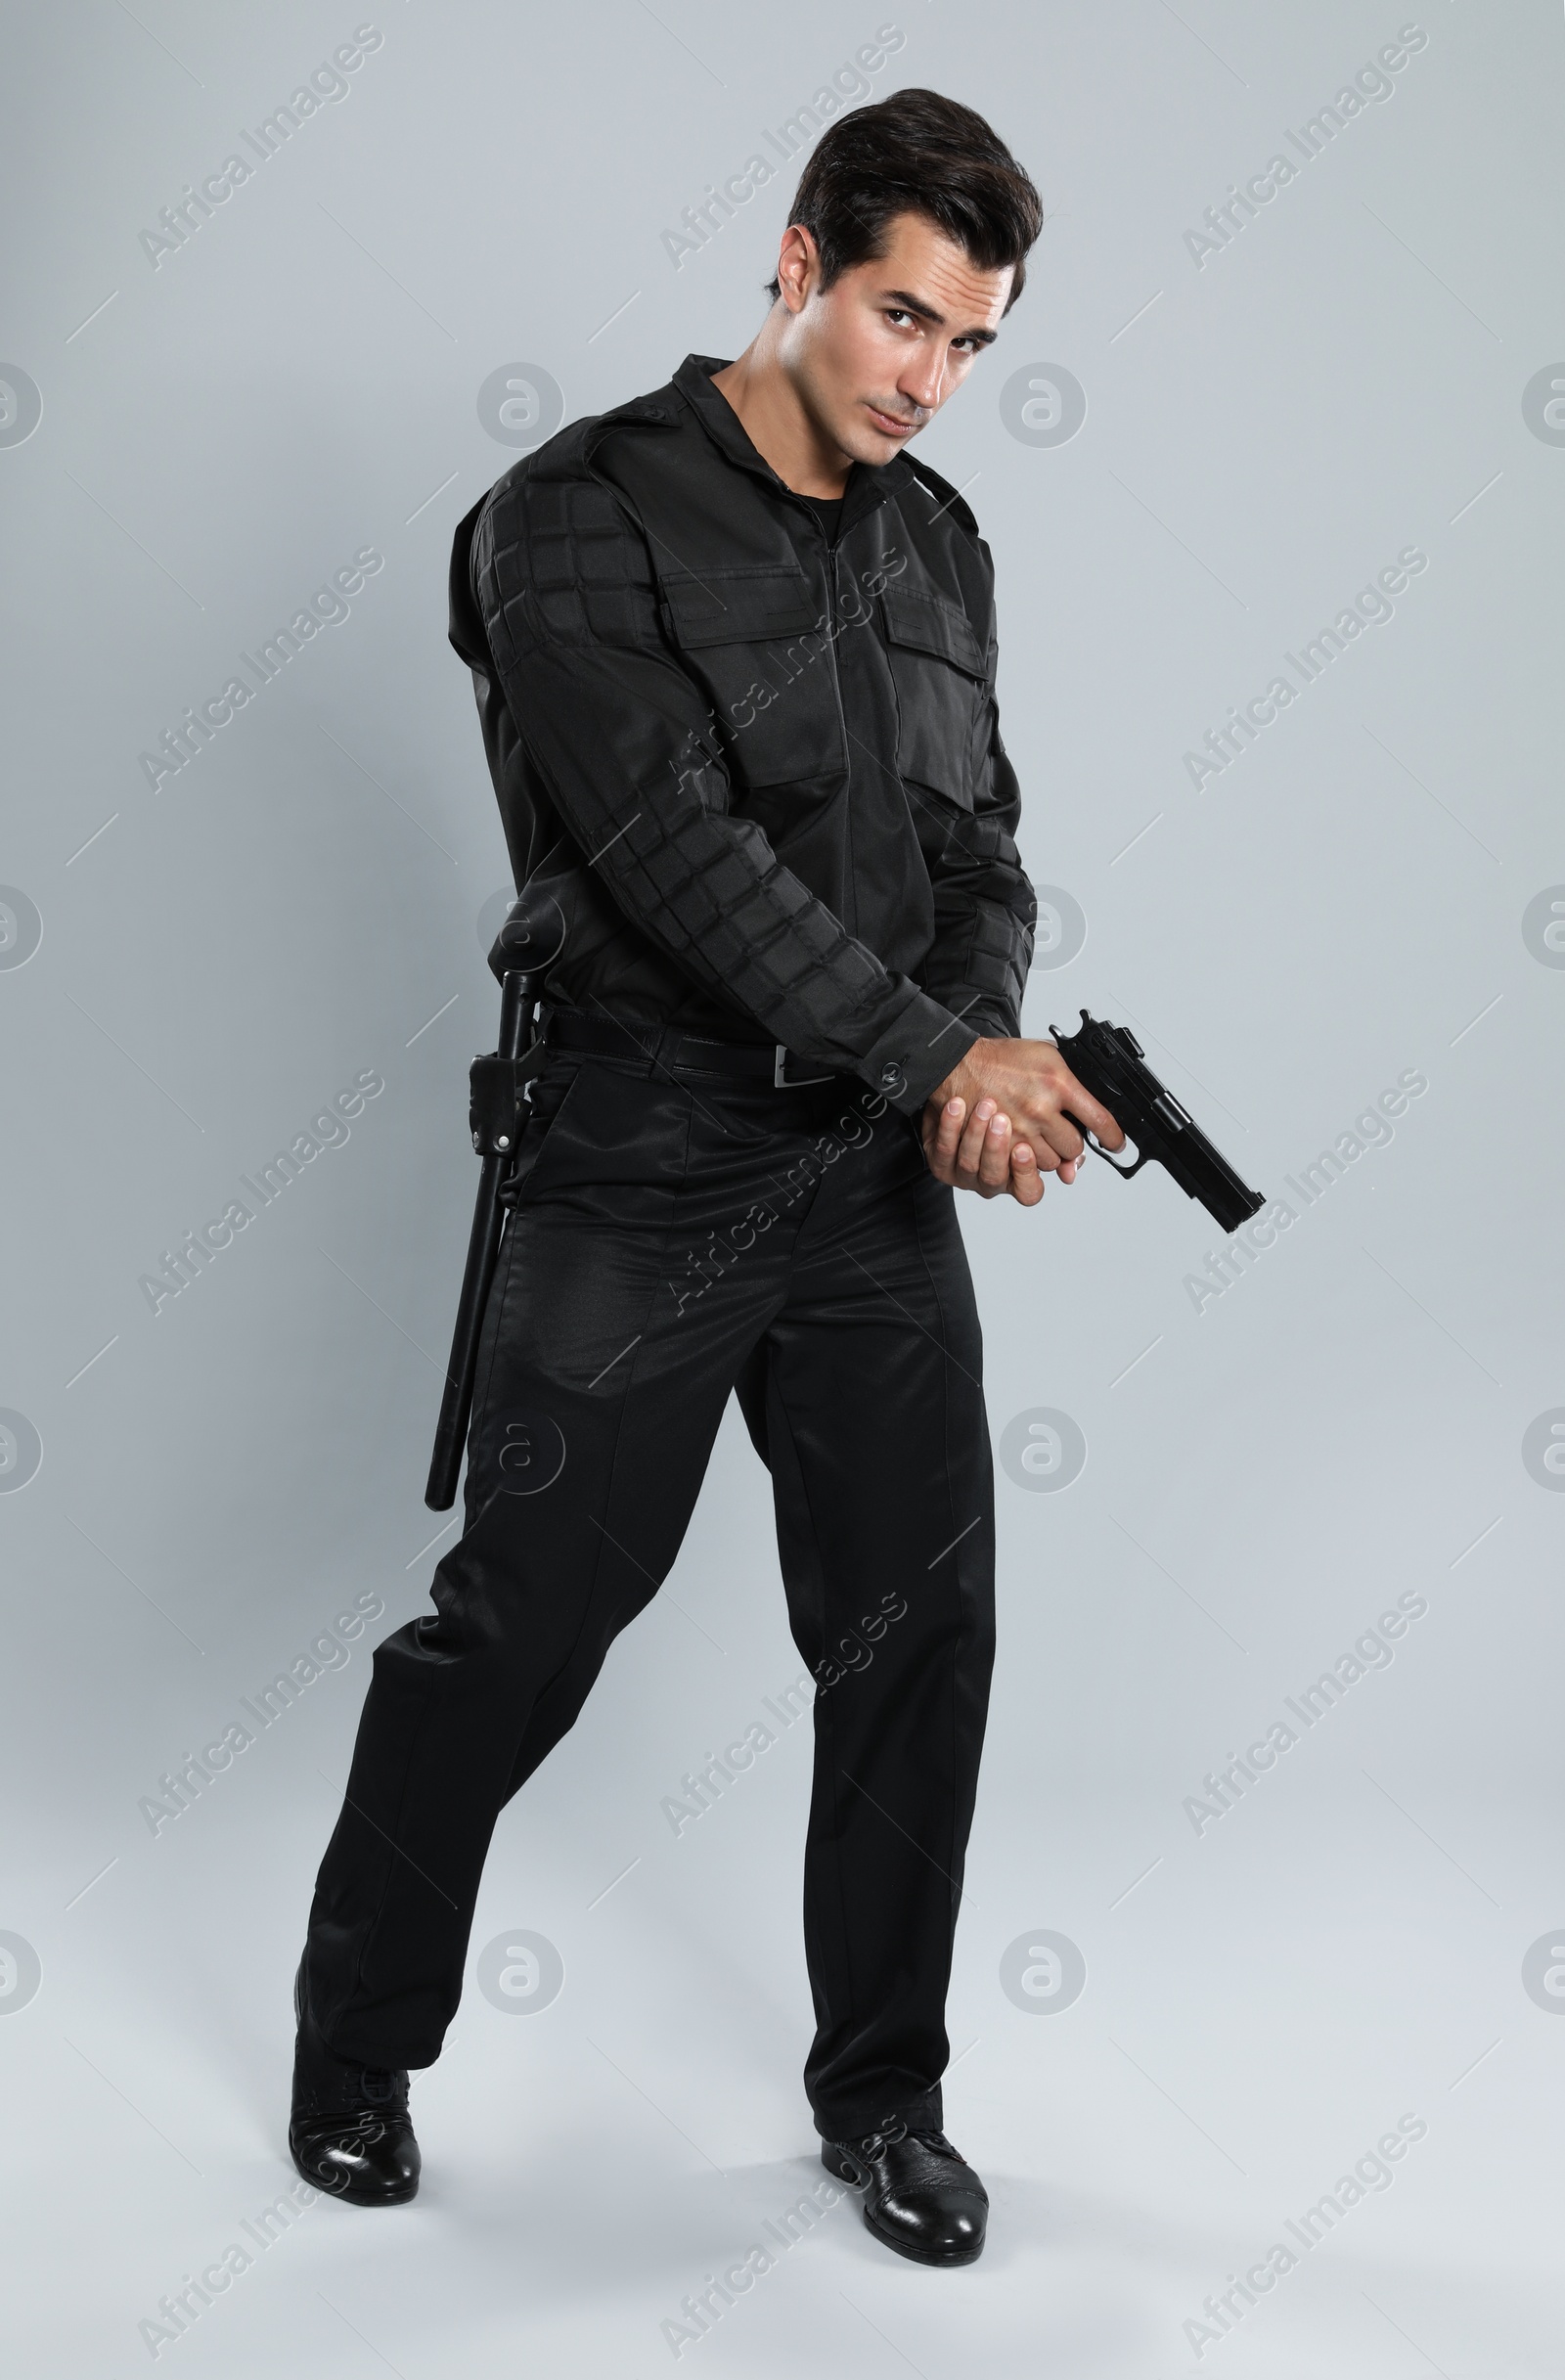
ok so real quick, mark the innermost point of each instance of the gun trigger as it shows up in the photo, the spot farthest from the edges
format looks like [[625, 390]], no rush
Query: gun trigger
[[1096, 1145]]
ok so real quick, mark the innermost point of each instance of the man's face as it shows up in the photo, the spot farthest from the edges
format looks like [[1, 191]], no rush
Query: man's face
[[875, 356]]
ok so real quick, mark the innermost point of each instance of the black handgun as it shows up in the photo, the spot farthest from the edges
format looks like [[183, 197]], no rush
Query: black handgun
[[1112, 1063]]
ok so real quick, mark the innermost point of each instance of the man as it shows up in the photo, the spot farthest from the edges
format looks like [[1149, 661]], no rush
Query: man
[[734, 659]]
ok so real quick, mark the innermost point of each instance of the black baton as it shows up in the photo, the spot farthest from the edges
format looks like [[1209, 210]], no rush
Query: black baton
[[497, 1115]]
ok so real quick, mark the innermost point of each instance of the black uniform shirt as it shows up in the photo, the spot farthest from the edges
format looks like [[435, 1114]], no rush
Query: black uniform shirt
[[760, 772], [827, 510]]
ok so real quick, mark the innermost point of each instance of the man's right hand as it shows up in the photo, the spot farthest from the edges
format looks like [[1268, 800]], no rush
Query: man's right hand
[[997, 1123]]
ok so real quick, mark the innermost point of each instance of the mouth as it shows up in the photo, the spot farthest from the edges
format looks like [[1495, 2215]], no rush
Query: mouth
[[890, 425]]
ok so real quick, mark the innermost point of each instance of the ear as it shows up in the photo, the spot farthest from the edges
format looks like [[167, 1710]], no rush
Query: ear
[[798, 267]]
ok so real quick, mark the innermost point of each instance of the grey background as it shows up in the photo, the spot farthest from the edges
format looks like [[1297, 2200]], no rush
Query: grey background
[[1264, 1475]]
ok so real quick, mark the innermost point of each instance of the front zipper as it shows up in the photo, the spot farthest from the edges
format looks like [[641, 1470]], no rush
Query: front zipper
[[830, 553]]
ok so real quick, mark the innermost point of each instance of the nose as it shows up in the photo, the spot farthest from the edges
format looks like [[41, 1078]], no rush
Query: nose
[[922, 385]]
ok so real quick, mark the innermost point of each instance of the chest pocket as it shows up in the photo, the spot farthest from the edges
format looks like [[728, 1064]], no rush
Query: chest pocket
[[937, 666], [754, 640]]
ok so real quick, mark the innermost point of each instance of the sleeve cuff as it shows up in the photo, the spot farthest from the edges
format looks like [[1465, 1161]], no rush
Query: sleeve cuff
[[916, 1055]]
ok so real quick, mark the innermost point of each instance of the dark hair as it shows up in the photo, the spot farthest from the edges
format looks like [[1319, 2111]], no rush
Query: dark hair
[[916, 153]]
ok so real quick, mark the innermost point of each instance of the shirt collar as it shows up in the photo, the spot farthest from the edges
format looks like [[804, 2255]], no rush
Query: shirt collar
[[868, 485]]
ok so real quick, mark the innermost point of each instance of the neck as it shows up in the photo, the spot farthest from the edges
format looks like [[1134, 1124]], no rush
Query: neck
[[776, 420]]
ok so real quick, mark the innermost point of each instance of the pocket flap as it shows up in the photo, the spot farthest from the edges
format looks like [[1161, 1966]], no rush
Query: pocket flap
[[930, 625], [738, 606]]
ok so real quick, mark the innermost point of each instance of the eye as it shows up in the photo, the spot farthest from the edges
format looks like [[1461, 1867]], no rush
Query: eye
[[898, 314]]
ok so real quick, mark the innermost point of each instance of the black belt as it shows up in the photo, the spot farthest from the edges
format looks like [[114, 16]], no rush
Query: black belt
[[669, 1049]]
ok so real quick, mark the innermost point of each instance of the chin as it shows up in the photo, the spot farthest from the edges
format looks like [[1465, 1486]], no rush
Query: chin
[[872, 446]]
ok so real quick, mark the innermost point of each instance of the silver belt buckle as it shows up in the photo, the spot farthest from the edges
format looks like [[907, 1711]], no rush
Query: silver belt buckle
[[782, 1082]]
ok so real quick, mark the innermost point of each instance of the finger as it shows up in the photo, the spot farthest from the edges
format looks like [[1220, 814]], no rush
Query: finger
[[1090, 1111], [970, 1147], [994, 1165], [1026, 1182], [1048, 1129], [948, 1130], [1026, 1134]]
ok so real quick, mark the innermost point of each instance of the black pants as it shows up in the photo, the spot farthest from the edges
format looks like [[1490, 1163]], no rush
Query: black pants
[[677, 1236]]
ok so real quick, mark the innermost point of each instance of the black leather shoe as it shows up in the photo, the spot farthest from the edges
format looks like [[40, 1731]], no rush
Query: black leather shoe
[[349, 2132], [920, 2196]]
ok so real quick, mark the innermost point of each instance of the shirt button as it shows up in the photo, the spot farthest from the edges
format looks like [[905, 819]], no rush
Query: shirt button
[[890, 1077]]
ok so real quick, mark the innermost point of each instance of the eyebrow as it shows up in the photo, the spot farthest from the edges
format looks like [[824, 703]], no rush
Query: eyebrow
[[930, 314]]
